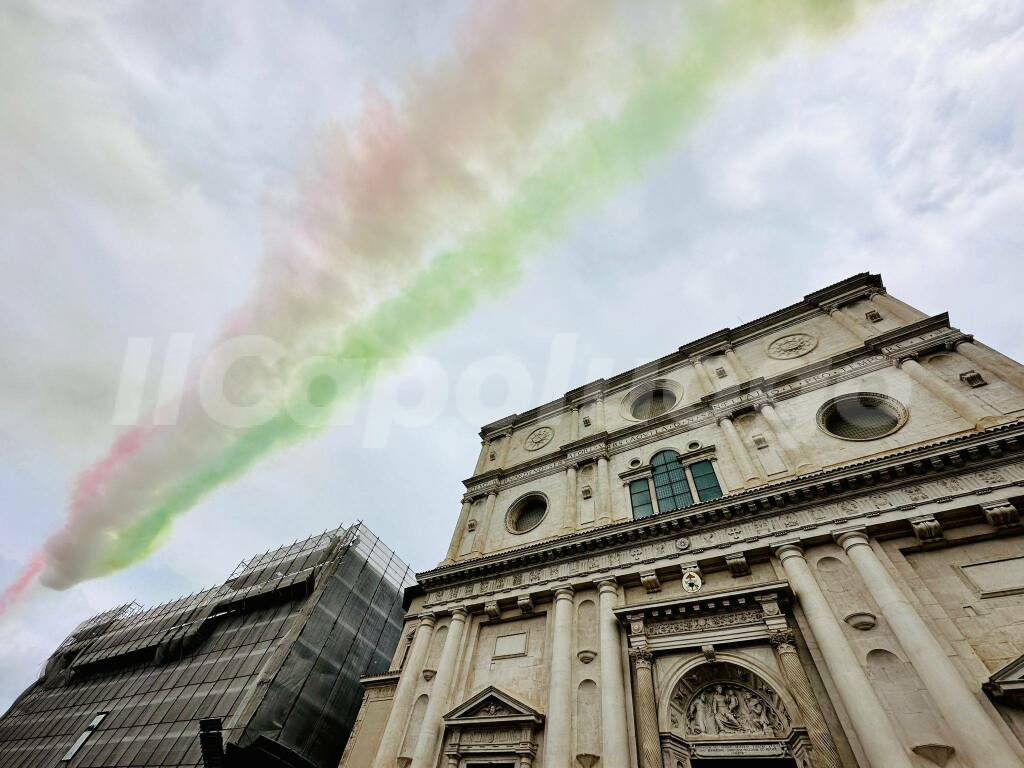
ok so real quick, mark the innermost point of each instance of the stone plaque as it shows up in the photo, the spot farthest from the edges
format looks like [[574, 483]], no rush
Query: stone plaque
[[510, 645], [739, 750]]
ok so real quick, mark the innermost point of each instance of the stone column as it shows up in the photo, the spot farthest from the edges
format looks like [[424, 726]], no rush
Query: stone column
[[1008, 370], [970, 408], [646, 708], [977, 737], [825, 753], [861, 332], [569, 520], [558, 728], [574, 423], [796, 456], [401, 706], [460, 531], [739, 451], [895, 308], [614, 742], [703, 376], [738, 367], [480, 539], [874, 730], [440, 687], [604, 492]]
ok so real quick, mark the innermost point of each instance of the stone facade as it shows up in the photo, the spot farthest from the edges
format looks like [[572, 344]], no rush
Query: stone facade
[[828, 571]]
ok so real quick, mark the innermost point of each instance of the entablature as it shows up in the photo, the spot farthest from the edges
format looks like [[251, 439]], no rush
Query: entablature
[[969, 470], [876, 354], [847, 290]]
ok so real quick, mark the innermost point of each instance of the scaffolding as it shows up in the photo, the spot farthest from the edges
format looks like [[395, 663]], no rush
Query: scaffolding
[[274, 654]]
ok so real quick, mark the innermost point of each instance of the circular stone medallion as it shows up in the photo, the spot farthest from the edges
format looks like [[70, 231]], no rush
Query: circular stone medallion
[[539, 438], [791, 345], [692, 581]]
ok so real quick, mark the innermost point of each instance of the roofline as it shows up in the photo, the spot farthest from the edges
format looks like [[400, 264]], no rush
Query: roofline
[[844, 289]]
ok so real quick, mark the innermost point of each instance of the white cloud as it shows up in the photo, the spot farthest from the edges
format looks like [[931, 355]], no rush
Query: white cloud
[[897, 149]]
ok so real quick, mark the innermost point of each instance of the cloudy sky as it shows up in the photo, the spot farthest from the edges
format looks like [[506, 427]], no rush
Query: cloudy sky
[[145, 147]]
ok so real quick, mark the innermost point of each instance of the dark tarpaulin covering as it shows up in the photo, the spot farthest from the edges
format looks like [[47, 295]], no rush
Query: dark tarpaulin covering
[[281, 645]]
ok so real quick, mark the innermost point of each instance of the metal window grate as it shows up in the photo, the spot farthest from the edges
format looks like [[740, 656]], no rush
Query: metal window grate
[[640, 497], [861, 419], [653, 403], [670, 484], [529, 514]]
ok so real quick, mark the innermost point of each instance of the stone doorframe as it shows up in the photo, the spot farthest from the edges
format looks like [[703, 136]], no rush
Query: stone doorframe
[[711, 622], [491, 727]]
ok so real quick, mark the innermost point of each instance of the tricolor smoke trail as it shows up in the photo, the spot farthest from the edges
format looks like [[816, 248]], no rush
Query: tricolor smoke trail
[[567, 162]]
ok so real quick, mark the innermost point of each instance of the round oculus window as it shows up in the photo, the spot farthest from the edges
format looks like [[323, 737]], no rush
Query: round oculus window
[[653, 403], [527, 513], [862, 416]]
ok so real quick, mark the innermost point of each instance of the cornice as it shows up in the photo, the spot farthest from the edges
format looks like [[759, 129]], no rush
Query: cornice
[[708, 602], [854, 286], [875, 354], [824, 486]]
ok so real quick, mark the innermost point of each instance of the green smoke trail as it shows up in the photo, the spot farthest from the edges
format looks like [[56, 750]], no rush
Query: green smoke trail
[[723, 42]]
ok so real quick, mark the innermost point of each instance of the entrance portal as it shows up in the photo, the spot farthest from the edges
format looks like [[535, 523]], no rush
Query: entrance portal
[[743, 762]]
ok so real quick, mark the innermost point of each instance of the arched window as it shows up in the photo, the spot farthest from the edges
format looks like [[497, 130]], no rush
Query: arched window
[[670, 485], [675, 486]]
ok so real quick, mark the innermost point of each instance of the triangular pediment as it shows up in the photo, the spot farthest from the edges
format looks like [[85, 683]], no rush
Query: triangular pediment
[[491, 704], [1008, 683]]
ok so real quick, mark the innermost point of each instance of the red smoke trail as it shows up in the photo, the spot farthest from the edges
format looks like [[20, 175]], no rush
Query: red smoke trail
[[27, 578]]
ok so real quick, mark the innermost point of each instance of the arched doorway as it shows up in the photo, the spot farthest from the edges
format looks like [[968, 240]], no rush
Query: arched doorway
[[722, 715]]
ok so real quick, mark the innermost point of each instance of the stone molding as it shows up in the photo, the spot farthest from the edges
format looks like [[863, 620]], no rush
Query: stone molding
[[896, 485], [858, 285], [881, 352]]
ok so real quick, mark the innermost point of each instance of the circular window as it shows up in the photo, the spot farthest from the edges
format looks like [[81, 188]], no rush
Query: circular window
[[862, 416], [653, 403], [527, 513], [651, 399]]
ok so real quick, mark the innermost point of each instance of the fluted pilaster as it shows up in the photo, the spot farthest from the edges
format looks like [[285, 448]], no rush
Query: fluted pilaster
[[646, 709], [825, 753]]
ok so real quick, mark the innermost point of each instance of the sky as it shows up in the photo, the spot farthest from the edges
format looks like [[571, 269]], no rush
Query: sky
[[151, 153]]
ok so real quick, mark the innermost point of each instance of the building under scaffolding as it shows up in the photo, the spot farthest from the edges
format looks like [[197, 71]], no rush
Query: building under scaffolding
[[260, 671]]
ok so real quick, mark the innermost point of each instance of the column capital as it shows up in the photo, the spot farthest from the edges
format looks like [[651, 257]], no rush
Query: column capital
[[641, 656], [564, 593], [459, 613], [788, 549], [783, 640], [963, 338], [901, 358], [427, 619], [608, 584], [851, 537]]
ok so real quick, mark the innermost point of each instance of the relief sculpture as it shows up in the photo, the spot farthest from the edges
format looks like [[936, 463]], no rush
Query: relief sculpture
[[730, 710]]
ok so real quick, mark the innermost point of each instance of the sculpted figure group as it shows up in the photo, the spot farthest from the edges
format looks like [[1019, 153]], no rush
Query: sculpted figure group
[[725, 710]]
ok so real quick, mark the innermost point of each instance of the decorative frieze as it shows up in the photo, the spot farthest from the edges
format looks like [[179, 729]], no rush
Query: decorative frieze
[[700, 623], [764, 518]]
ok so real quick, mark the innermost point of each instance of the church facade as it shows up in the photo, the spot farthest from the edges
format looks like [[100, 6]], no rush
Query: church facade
[[793, 543]]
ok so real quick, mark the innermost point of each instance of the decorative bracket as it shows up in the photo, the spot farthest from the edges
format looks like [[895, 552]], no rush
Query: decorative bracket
[[738, 565], [927, 529], [1001, 514], [650, 581]]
